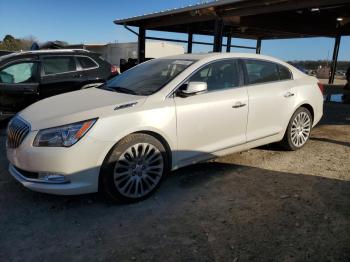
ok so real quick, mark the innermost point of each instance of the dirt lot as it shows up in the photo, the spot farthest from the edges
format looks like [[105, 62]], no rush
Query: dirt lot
[[261, 205]]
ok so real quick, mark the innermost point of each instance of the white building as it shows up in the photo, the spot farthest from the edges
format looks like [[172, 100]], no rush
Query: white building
[[115, 51]]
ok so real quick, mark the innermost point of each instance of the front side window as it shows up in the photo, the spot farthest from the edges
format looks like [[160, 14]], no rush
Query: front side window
[[57, 65], [19, 73], [261, 71], [149, 77], [86, 62], [218, 75]]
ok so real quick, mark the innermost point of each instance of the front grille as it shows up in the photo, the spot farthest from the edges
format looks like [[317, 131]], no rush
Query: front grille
[[17, 130]]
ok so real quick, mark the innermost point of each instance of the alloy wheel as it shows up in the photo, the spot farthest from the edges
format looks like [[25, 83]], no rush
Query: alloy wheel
[[138, 170], [300, 130]]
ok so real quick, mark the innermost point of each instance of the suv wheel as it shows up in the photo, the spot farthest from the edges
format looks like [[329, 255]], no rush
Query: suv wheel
[[298, 130], [135, 168]]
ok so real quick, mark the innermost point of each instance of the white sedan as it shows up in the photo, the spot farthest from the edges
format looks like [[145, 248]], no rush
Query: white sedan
[[123, 137]]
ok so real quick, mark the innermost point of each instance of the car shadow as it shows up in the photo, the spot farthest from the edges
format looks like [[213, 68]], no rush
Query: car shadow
[[322, 139], [215, 208]]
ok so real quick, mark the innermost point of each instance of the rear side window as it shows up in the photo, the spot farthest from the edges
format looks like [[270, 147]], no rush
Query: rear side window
[[57, 65], [218, 75], [284, 72], [19, 73], [261, 71], [86, 62]]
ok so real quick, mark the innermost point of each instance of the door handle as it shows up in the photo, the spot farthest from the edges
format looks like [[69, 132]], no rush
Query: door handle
[[238, 105], [288, 94], [77, 75]]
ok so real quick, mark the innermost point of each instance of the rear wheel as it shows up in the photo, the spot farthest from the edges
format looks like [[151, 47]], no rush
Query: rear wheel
[[135, 168], [298, 130]]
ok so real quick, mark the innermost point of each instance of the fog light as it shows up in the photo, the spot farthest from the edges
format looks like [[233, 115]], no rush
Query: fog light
[[52, 177]]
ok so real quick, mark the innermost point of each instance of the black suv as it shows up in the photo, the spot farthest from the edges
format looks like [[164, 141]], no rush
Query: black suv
[[26, 77]]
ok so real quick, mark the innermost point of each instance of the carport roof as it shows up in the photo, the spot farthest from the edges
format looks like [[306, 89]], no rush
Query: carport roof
[[254, 19]]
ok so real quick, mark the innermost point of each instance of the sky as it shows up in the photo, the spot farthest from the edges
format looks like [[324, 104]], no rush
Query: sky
[[91, 21]]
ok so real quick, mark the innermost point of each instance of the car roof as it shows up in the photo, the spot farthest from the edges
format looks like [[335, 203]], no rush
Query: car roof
[[207, 57], [203, 58], [54, 51], [213, 56], [34, 53]]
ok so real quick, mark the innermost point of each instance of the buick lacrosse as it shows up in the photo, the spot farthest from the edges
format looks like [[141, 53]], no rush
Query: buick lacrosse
[[121, 138]]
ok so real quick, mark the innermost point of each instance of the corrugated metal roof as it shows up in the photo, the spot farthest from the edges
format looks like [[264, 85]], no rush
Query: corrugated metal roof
[[177, 10]]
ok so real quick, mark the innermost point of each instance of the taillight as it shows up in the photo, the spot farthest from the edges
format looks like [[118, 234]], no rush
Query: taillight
[[114, 69], [321, 86]]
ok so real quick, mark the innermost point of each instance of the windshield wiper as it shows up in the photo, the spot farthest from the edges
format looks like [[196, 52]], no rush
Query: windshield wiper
[[120, 89]]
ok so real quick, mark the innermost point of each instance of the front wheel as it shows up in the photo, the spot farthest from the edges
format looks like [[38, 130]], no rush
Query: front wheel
[[298, 130], [135, 168]]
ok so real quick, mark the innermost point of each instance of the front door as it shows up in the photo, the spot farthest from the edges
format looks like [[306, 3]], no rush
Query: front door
[[18, 86], [214, 120]]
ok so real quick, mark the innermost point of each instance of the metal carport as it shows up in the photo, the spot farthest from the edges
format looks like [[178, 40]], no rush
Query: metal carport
[[252, 19]]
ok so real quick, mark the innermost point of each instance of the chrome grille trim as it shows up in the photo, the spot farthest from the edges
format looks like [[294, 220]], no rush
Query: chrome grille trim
[[17, 130]]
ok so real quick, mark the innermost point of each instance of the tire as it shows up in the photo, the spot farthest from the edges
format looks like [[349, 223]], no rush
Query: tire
[[134, 169], [298, 130]]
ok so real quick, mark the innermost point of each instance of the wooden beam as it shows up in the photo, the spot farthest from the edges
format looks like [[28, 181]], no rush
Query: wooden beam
[[278, 6]]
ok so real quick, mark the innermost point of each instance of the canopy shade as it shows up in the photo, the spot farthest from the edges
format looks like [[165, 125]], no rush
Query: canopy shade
[[255, 19]]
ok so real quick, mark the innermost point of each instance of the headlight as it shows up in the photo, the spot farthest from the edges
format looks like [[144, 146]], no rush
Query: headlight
[[63, 136]]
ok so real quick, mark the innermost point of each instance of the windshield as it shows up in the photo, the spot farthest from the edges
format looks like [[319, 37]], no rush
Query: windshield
[[149, 77]]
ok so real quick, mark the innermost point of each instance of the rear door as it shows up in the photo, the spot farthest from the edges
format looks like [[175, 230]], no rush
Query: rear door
[[19, 81], [91, 71], [59, 74], [271, 94]]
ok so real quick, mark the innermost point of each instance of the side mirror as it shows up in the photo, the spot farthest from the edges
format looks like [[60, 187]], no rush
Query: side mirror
[[194, 88]]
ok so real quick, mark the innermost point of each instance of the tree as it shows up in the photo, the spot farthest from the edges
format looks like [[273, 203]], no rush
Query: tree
[[12, 44]]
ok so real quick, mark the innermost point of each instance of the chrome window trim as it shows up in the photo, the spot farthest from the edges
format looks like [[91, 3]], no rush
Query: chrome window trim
[[269, 82], [90, 68]]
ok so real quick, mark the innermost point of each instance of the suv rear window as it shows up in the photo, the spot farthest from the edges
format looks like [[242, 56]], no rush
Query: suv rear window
[[56, 65], [86, 62]]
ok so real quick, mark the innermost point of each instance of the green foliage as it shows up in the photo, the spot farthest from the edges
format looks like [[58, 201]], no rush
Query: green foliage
[[10, 43]]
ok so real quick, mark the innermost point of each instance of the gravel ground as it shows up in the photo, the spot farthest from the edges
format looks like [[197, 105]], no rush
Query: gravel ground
[[264, 204]]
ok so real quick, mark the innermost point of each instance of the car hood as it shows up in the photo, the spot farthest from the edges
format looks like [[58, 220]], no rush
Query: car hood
[[77, 106]]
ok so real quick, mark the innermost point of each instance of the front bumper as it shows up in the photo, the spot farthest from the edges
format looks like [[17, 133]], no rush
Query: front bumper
[[65, 188], [80, 165]]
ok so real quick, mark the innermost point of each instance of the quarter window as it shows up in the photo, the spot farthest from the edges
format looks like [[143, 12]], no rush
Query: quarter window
[[56, 65], [86, 62], [218, 75], [261, 71], [284, 72], [19, 73]]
